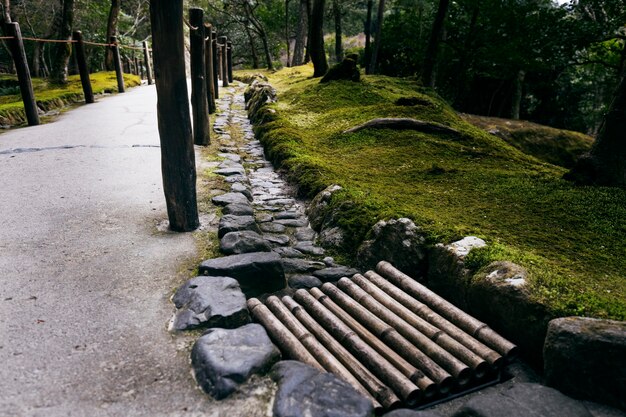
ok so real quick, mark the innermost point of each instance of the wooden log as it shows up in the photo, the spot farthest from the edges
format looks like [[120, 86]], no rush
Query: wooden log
[[401, 385], [375, 387], [147, 62], [178, 166], [469, 324], [404, 124], [199, 102], [216, 65], [286, 341], [315, 348], [224, 70], [23, 73], [117, 61], [362, 304], [208, 66], [229, 55], [83, 70], [413, 354], [422, 310]]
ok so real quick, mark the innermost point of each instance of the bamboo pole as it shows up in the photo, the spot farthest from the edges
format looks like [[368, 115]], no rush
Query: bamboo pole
[[319, 352], [422, 310], [457, 316], [478, 364], [285, 340], [401, 385]]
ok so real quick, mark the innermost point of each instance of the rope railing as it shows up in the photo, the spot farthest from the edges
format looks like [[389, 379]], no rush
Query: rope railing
[[27, 38]]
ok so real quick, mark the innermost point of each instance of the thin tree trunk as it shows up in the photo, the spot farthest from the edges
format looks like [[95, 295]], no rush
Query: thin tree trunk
[[287, 32], [307, 54], [255, 56], [6, 11], [301, 29], [465, 60], [61, 51], [338, 31], [318, 54], [430, 60], [266, 49], [114, 13], [518, 90], [378, 37], [368, 36]]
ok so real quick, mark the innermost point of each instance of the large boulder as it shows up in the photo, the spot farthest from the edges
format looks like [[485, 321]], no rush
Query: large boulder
[[305, 391], [398, 241], [523, 400], [586, 358], [245, 241], [257, 272], [319, 207], [222, 359], [345, 70], [209, 302]]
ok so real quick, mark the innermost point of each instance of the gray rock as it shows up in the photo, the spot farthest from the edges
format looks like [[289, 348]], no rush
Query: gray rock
[[232, 170], [318, 209], [288, 252], [257, 272], [209, 302], [222, 359], [411, 413], [229, 198], [263, 217], [523, 400], [236, 178], [586, 358], [243, 242], [238, 209], [230, 156], [309, 248], [281, 240], [397, 241], [305, 234], [272, 227], [304, 391], [332, 237], [230, 223], [302, 222], [238, 187], [301, 266], [287, 215], [281, 202], [335, 273], [329, 261], [303, 281]]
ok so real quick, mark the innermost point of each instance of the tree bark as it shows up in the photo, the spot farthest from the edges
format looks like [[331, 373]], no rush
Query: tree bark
[[518, 90], [338, 31], [430, 59], [255, 57], [378, 36], [605, 164], [368, 36], [318, 54], [287, 37], [301, 30], [307, 54], [61, 51], [114, 13]]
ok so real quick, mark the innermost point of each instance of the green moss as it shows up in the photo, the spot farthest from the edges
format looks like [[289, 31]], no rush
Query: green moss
[[571, 239]]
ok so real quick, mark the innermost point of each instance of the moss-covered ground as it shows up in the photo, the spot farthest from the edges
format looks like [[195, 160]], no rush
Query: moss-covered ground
[[571, 239], [51, 96]]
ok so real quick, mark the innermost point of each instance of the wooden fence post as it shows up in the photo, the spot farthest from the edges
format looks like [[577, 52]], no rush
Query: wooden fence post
[[118, 65], [23, 73], [229, 55], [224, 61], [137, 67], [178, 165], [146, 57], [219, 62], [83, 70], [215, 63], [199, 102], [208, 65]]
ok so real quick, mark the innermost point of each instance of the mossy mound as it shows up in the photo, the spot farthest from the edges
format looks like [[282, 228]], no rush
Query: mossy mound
[[570, 239]]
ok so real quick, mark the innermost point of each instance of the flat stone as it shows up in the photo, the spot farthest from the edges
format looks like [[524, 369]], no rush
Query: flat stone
[[232, 170], [300, 266], [586, 358], [231, 223], [301, 222], [288, 252], [303, 281], [305, 234], [411, 413], [335, 273], [309, 248], [230, 198], [238, 187], [304, 391], [523, 400], [281, 202], [222, 359], [263, 217], [209, 302], [272, 227], [236, 178], [245, 241], [284, 215], [230, 156], [281, 240], [257, 272], [238, 209]]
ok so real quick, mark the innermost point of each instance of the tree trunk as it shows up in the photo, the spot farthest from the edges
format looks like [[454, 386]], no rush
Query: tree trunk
[[379, 35], [301, 29], [430, 60], [61, 51], [266, 49], [287, 37], [255, 57], [307, 54], [338, 31], [318, 54], [605, 164], [368, 36], [6, 11], [36, 67], [518, 90], [114, 13]]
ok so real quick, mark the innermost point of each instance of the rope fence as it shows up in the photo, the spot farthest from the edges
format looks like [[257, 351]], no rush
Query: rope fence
[[26, 38]]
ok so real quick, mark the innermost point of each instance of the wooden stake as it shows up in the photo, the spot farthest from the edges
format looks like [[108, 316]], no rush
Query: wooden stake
[[118, 65], [81, 60], [208, 67], [216, 65], [23, 73], [224, 70], [199, 103], [229, 55], [147, 62]]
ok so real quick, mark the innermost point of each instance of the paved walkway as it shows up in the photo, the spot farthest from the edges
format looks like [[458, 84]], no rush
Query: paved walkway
[[85, 274]]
